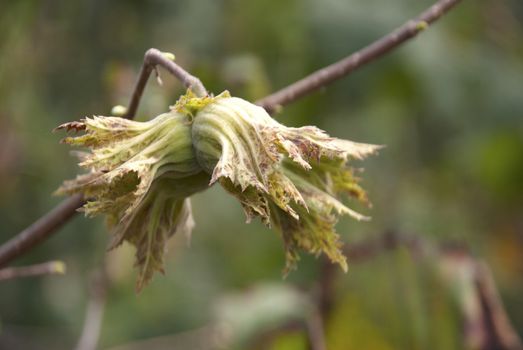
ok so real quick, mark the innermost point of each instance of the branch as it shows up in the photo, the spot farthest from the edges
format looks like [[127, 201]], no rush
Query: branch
[[315, 332], [98, 289], [152, 58], [48, 268], [53, 220], [40, 230], [486, 324], [349, 64], [13, 248], [200, 338], [359, 253]]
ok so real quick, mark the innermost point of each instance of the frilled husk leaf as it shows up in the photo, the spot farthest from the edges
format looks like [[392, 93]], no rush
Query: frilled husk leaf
[[141, 175], [322, 187], [291, 178]]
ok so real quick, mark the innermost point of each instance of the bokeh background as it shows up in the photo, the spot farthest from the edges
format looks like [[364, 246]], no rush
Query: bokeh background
[[448, 105]]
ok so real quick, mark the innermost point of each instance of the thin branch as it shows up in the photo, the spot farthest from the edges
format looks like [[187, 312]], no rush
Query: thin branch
[[315, 332], [349, 64], [497, 324], [98, 288], [390, 240], [53, 220], [200, 338], [485, 321], [48, 268], [359, 253], [486, 324], [25, 240], [39, 230], [152, 58]]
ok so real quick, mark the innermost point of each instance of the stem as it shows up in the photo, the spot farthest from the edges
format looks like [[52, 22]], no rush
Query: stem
[[51, 221], [48, 268], [152, 58], [315, 332], [486, 323], [350, 63], [40, 229], [98, 290]]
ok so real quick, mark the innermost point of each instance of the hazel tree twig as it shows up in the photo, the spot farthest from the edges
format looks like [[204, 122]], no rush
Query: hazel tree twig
[[347, 65], [153, 58], [40, 229], [486, 323], [51, 221], [315, 332], [47, 268], [98, 290]]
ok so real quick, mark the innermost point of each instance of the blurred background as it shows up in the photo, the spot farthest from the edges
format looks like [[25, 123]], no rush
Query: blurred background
[[448, 105]]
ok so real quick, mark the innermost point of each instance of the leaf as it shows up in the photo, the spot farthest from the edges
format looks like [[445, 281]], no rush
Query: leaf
[[141, 175], [292, 178]]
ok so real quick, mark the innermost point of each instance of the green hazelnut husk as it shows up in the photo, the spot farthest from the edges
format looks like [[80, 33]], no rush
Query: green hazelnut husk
[[141, 175]]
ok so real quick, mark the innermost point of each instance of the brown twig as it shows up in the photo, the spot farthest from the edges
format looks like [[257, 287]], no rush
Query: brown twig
[[499, 332], [200, 338], [53, 220], [98, 289], [359, 253], [486, 324], [349, 64], [26, 240], [153, 58], [315, 332], [48, 268], [40, 229]]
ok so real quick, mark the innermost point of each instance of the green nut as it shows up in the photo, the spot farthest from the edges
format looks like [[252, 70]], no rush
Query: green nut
[[143, 173], [292, 178]]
